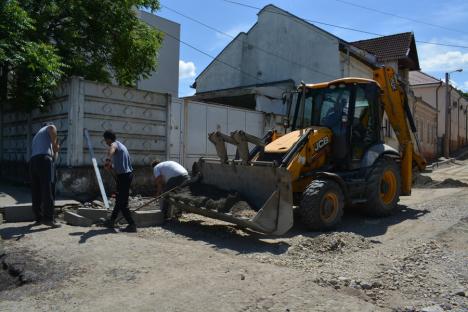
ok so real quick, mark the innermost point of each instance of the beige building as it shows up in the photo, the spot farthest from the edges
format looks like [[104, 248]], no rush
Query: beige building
[[433, 91], [399, 52], [425, 119]]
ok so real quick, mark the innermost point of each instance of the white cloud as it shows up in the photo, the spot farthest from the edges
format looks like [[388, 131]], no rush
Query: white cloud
[[186, 70], [454, 83], [440, 58], [450, 60], [465, 86]]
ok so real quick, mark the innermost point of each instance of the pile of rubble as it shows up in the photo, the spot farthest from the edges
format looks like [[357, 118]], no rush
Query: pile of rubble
[[308, 253], [424, 181], [213, 198], [338, 242]]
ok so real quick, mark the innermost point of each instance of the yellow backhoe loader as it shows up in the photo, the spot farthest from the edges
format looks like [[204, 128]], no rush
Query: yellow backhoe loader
[[332, 156]]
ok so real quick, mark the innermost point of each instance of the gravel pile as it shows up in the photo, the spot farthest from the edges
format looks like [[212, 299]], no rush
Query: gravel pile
[[423, 181], [419, 277], [309, 253], [338, 242]]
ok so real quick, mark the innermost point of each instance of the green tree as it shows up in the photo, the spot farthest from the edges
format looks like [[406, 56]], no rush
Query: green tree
[[44, 41]]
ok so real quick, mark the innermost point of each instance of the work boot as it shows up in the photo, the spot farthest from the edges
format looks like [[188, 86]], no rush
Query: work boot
[[52, 224], [131, 228], [109, 223], [37, 223]]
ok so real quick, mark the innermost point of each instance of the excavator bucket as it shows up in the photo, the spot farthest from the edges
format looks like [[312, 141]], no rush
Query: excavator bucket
[[266, 188]]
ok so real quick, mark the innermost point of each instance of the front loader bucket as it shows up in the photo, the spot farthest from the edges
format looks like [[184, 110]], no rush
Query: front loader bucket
[[266, 188]]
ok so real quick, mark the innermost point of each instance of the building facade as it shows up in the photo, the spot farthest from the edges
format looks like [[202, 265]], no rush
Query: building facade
[[433, 91], [279, 51], [425, 119], [165, 78]]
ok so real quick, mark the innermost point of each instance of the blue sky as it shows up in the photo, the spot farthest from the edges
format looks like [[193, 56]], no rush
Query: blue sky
[[452, 16]]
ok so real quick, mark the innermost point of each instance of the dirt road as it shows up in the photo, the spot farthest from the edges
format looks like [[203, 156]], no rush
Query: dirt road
[[416, 260]]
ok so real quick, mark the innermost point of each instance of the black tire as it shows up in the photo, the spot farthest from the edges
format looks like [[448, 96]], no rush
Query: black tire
[[321, 207], [383, 196]]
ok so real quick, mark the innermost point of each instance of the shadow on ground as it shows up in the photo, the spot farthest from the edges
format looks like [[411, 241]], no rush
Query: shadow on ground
[[229, 237], [84, 236], [17, 233], [354, 221], [226, 237]]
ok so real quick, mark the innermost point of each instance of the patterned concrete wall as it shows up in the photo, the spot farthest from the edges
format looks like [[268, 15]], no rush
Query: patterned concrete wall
[[19, 128], [138, 118]]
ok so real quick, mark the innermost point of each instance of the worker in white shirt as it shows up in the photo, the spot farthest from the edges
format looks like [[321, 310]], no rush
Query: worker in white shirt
[[167, 176]]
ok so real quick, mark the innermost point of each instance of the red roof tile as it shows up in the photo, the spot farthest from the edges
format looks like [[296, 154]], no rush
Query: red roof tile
[[391, 48]]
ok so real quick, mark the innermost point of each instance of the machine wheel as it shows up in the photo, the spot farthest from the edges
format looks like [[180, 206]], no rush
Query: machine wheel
[[383, 188], [322, 204]]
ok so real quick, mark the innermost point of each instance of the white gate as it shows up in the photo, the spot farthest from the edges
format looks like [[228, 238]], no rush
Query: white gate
[[190, 123]]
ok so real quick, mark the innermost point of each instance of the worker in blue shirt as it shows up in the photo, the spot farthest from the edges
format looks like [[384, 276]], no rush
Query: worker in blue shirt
[[119, 160]]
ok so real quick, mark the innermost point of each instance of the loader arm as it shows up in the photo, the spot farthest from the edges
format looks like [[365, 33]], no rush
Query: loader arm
[[395, 105]]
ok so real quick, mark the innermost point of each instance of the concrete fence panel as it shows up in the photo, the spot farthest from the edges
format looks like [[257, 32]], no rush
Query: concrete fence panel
[[138, 117]]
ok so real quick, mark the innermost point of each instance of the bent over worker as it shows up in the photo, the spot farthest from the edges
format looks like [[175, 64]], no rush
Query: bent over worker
[[118, 158], [44, 150], [167, 176]]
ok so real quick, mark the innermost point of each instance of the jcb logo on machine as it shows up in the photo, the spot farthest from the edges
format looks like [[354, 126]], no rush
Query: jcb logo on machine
[[321, 143]]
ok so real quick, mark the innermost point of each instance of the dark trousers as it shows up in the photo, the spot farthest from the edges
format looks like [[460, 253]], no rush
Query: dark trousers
[[173, 182], [42, 172], [121, 202], [170, 184]]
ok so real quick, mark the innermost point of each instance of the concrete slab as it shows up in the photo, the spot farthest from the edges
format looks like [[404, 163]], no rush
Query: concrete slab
[[98, 203], [24, 213], [148, 218], [76, 220], [19, 213], [93, 214], [66, 202], [145, 218], [11, 195]]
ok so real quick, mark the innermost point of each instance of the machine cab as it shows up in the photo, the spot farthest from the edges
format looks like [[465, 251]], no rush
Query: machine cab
[[349, 107]]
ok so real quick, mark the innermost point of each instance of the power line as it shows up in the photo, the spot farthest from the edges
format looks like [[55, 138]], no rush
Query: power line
[[399, 16], [254, 46], [342, 27]]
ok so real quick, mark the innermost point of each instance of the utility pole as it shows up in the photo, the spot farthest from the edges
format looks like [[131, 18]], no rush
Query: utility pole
[[459, 107], [447, 117]]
